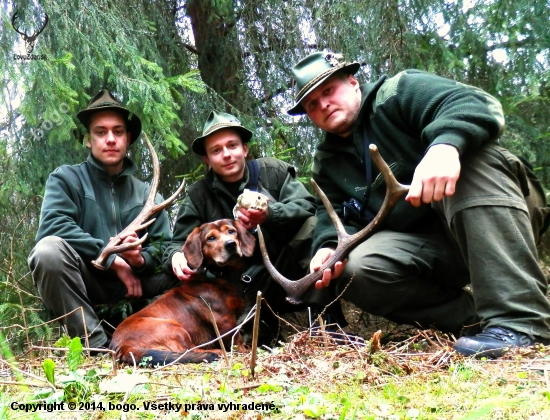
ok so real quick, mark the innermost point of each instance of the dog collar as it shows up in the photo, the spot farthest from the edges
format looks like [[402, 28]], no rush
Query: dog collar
[[215, 274]]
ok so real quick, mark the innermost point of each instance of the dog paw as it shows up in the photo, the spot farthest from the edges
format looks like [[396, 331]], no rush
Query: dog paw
[[211, 357]]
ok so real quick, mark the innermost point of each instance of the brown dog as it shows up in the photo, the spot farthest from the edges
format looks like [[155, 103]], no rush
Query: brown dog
[[182, 318]]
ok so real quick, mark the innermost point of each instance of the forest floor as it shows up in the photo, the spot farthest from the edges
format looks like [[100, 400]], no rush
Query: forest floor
[[402, 373]]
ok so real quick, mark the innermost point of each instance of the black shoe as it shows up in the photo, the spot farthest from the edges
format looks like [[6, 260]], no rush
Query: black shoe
[[493, 342]]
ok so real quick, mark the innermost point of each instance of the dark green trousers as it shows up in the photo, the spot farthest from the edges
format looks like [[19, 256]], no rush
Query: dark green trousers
[[65, 283], [485, 236]]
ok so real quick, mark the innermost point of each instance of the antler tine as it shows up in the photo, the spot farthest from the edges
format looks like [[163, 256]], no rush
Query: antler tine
[[293, 288], [156, 172], [346, 242], [340, 230], [141, 221], [32, 37], [13, 19], [43, 26]]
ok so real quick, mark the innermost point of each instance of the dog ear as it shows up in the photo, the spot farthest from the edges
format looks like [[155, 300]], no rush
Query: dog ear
[[248, 242], [192, 249]]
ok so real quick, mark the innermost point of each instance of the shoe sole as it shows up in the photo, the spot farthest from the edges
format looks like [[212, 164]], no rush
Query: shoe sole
[[490, 353]]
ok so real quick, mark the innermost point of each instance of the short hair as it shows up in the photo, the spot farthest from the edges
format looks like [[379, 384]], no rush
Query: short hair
[[122, 115]]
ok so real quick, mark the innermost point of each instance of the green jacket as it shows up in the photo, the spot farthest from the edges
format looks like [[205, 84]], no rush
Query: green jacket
[[404, 116], [85, 206], [209, 199]]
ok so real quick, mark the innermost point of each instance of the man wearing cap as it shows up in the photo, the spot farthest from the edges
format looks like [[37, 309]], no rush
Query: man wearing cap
[[84, 206], [474, 212], [224, 148]]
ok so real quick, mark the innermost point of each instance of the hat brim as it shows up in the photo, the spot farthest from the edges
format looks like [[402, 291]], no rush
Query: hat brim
[[198, 143], [133, 122], [298, 109]]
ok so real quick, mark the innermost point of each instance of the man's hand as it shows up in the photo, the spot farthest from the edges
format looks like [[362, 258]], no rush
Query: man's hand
[[435, 176], [251, 218], [133, 256], [322, 255], [180, 268], [126, 275]]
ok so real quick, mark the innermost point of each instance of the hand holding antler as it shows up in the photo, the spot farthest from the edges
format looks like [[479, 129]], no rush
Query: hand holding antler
[[118, 244], [133, 256], [322, 256], [346, 242]]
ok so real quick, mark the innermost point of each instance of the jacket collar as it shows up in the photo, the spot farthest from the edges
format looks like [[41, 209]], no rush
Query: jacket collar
[[213, 179], [369, 90], [129, 168]]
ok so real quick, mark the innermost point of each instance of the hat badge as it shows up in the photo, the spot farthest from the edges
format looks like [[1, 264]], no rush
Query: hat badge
[[332, 58]]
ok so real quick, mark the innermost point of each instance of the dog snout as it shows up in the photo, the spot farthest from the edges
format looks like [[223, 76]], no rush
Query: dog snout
[[230, 245]]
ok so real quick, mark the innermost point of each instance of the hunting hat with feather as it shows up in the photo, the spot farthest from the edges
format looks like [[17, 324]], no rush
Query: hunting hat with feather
[[314, 70], [217, 121], [104, 101]]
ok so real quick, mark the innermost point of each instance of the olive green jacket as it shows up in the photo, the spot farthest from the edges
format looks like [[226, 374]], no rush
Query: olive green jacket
[[209, 199], [85, 206], [404, 116]]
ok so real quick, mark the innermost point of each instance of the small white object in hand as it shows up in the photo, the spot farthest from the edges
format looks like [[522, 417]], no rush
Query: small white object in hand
[[250, 200]]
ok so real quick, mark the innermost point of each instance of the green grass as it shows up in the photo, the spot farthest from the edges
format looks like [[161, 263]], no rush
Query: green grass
[[301, 380]]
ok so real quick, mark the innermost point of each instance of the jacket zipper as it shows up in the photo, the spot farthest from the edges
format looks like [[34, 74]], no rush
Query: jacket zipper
[[113, 207]]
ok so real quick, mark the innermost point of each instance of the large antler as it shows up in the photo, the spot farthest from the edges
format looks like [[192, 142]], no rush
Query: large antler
[[346, 242], [29, 39], [16, 29], [140, 222]]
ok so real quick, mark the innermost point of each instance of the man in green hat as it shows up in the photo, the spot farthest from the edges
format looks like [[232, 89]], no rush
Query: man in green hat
[[291, 209], [474, 212], [84, 206]]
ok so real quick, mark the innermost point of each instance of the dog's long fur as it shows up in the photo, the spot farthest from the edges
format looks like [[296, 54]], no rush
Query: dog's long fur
[[182, 318]]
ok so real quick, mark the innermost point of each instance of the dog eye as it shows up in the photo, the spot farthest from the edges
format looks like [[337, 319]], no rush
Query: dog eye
[[231, 231], [211, 238]]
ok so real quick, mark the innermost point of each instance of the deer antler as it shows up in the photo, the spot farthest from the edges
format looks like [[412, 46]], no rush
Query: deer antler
[[346, 242], [140, 222], [39, 31], [29, 39], [13, 19]]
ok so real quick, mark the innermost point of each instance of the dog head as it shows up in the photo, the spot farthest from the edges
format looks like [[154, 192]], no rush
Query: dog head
[[223, 242]]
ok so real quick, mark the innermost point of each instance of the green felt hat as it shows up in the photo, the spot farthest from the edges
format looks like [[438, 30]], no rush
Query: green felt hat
[[314, 70], [104, 101], [216, 121]]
